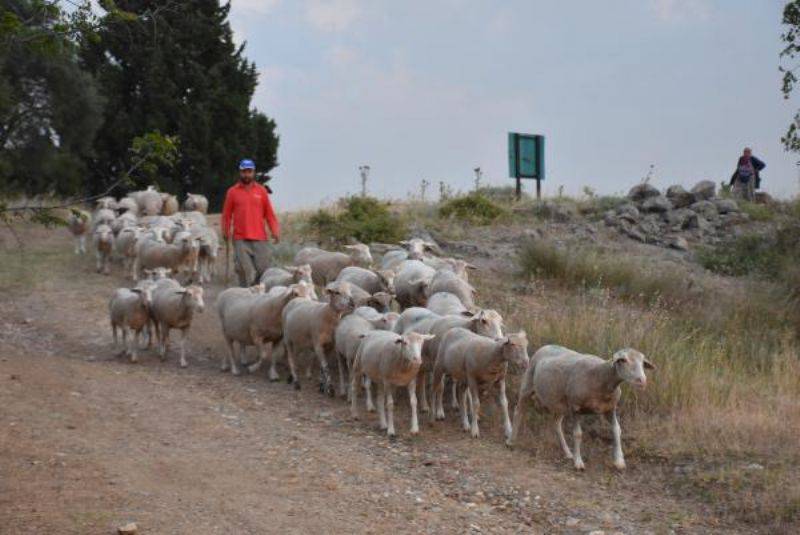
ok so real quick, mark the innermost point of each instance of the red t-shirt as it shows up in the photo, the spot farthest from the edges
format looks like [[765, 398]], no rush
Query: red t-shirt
[[249, 206]]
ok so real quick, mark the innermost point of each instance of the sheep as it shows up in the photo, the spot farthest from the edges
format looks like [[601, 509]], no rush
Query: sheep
[[151, 254], [368, 280], [476, 360], [311, 325], [169, 204], [253, 318], [286, 275], [459, 267], [569, 383], [149, 201], [326, 265], [156, 234], [392, 259], [448, 281], [390, 360], [414, 249], [125, 246], [106, 203], [380, 301], [78, 224], [127, 205], [174, 308], [129, 309], [410, 317], [122, 221], [103, 240], [347, 338], [196, 218], [445, 303], [208, 253], [411, 283], [196, 202], [103, 216]]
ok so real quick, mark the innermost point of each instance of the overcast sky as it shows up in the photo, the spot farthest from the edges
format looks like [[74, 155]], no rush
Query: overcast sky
[[429, 89]]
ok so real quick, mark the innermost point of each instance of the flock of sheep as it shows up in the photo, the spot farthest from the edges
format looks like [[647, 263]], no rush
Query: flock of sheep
[[439, 334]]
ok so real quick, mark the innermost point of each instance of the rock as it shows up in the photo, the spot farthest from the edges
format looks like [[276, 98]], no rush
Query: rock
[[658, 204], [707, 209], [678, 242], [704, 190], [564, 212], [572, 522], [679, 197], [128, 529], [754, 466], [677, 219], [697, 221], [597, 532], [726, 206], [650, 229], [640, 192], [629, 213], [762, 197], [610, 218], [631, 232]]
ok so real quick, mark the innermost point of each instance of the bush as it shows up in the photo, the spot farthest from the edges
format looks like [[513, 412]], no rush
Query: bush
[[474, 207], [502, 194], [757, 212], [365, 219], [771, 256]]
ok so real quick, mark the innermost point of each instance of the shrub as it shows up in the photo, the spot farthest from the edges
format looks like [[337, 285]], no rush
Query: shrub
[[502, 194], [365, 219], [771, 256], [757, 212], [474, 207]]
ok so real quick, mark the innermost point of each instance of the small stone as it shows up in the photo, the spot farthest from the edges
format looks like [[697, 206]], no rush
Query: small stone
[[572, 522], [754, 466], [706, 209], [128, 529], [597, 532], [678, 242], [628, 212], [726, 206]]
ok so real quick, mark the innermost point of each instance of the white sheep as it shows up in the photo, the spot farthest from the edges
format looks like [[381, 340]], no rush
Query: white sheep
[[390, 360], [127, 205], [380, 301], [326, 265], [106, 203], [347, 338], [125, 246], [103, 216], [103, 240], [124, 220], [208, 252], [445, 303], [129, 310], [459, 267], [411, 283], [447, 281], [473, 361], [285, 276], [176, 256], [174, 307], [410, 316], [196, 202], [149, 201], [311, 325], [569, 383], [169, 204], [368, 280], [79, 223]]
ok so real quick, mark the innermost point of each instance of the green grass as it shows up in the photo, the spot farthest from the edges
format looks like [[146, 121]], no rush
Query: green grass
[[474, 208], [364, 219], [757, 212]]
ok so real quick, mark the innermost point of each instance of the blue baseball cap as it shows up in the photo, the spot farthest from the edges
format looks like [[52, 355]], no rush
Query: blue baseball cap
[[247, 164]]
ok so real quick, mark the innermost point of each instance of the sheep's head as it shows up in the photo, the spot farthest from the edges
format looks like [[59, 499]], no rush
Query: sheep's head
[[387, 321], [360, 254], [340, 297], [515, 349], [380, 301], [145, 292], [300, 273], [303, 289], [411, 344], [193, 297], [486, 322], [630, 365], [257, 289], [386, 277], [104, 233], [419, 291]]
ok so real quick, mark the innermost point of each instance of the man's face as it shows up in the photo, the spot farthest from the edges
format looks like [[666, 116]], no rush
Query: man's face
[[247, 175], [747, 152]]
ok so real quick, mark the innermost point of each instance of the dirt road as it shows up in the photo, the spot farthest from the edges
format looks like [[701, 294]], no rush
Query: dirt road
[[89, 442]]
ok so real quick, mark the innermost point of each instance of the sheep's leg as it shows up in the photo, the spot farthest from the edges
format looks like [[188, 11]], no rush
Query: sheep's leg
[[293, 379], [340, 360], [422, 387], [368, 390], [83, 244], [325, 385], [577, 435], [503, 400], [134, 351], [163, 341], [99, 257], [437, 391], [616, 431], [476, 405], [183, 349], [354, 391], [381, 406], [260, 349], [77, 245], [561, 438], [114, 333], [454, 395], [273, 370], [412, 400], [226, 360], [236, 357], [135, 268], [388, 394], [463, 409]]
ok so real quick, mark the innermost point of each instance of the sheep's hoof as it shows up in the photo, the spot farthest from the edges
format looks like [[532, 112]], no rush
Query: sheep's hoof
[[619, 465], [134, 360], [184, 364], [236, 372], [509, 444], [475, 434], [253, 368], [274, 379], [392, 436], [290, 379], [297, 385], [580, 466], [331, 391], [415, 432]]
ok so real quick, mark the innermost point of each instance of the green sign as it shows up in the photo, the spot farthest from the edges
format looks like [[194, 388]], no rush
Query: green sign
[[526, 156]]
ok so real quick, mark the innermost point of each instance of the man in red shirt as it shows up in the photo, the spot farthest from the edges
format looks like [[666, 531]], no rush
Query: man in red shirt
[[247, 206]]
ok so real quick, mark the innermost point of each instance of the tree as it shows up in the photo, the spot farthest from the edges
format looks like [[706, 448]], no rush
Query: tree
[[791, 40], [174, 67], [50, 108]]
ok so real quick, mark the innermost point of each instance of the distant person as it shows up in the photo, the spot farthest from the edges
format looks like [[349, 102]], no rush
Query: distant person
[[746, 178], [247, 206]]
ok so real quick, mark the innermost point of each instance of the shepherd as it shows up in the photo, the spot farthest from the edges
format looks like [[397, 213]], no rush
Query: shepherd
[[746, 178], [247, 206]]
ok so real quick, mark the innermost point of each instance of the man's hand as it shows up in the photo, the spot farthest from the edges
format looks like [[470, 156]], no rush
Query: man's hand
[[276, 239]]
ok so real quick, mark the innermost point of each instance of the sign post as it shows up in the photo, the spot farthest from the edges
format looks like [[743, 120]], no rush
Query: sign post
[[526, 160]]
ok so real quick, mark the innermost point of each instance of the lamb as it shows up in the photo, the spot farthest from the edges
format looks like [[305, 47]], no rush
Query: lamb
[[78, 224], [103, 239], [311, 325], [174, 307], [411, 283], [390, 360], [286, 276], [151, 254], [196, 203], [129, 310], [347, 338], [126, 245], [448, 281], [253, 318], [169, 204], [445, 303], [326, 265], [368, 280], [476, 360], [127, 205], [122, 221], [569, 383]]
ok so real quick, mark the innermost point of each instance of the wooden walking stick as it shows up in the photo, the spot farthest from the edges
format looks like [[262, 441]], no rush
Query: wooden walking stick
[[227, 261]]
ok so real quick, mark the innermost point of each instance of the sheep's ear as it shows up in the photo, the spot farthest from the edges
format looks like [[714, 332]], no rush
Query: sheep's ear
[[620, 356], [182, 292], [400, 342], [360, 336], [136, 290], [649, 365], [290, 268], [349, 247], [404, 242], [468, 314], [471, 266]]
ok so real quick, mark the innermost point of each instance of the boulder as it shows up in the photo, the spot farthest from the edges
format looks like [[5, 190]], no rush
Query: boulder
[[631, 231], [704, 190], [726, 206], [659, 204], [677, 219], [697, 221], [650, 228], [640, 192], [610, 218], [707, 209], [679, 197], [762, 197], [628, 212], [678, 242]]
